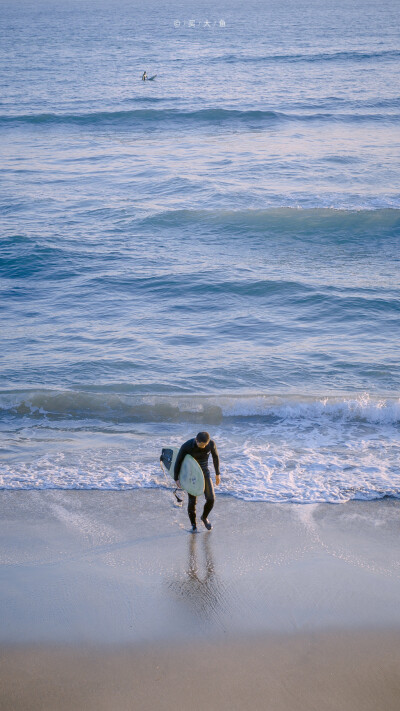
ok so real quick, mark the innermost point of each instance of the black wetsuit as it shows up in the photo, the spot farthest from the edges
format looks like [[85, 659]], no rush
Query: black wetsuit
[[201, 456]]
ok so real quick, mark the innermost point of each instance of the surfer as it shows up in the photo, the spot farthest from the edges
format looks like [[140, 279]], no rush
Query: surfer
[[144, 76], [200, 447]]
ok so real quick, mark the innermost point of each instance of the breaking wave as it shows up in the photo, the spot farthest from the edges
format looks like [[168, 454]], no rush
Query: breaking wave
[[202, 409]]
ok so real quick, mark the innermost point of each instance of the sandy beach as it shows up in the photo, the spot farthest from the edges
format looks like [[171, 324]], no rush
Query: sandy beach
[[108, 602]]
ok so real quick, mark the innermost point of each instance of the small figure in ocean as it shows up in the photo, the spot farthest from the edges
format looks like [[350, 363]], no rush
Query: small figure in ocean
[[144, 76], [200, 447]]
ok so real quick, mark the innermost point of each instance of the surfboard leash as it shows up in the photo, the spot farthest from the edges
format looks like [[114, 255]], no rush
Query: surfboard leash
[[176, 488]]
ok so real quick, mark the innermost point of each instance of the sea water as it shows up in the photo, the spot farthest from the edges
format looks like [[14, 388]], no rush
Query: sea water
[[217, 249]]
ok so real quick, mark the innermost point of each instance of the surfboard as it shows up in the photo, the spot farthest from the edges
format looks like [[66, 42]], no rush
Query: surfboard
[[191, 477], [151, 78]]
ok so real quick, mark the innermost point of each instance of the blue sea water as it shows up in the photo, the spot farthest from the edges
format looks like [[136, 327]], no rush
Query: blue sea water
[[217, 249]]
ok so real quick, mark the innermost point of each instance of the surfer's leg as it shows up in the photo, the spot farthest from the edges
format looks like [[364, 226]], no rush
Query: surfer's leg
[[210, 496], [192, 509]]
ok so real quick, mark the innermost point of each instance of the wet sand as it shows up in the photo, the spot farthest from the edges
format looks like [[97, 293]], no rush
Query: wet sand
[[108, 602]]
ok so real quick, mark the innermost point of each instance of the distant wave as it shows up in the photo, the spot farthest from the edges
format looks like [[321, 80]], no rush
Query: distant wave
[[314, 222], [23, 256], [354, 56], [145, 116], [214, 116], [212, 409], [29, 257]]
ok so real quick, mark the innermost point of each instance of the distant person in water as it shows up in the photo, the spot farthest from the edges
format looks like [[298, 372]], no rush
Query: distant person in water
[[144, 76], [200, 447]]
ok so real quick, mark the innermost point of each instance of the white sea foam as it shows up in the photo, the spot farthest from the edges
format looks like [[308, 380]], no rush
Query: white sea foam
[[299, 459], [361, 407]]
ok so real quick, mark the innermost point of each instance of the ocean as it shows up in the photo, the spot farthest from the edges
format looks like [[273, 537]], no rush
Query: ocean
[[217, 249]]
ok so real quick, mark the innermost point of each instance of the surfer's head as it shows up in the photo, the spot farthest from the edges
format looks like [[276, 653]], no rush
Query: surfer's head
[[202, 439]]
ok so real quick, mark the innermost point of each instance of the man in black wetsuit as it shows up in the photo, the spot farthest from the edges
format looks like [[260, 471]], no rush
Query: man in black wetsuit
[[200, 448]]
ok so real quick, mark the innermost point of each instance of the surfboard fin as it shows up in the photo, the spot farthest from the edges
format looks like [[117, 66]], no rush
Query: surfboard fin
[[166, 457]]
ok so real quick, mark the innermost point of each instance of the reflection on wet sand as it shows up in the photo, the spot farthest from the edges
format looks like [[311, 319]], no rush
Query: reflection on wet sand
[[199, 587]]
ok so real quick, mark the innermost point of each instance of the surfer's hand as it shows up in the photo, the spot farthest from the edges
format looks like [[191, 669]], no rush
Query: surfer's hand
[[217, 480]]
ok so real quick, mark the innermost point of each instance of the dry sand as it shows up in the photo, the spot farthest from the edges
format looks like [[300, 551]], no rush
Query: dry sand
[[339, 671], [107, 602]]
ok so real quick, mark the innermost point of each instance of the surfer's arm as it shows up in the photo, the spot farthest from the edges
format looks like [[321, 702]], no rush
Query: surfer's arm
[[178, 462], [215, 456]]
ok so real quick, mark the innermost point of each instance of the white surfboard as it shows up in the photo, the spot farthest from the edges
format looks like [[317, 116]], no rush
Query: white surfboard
[[191, 477]]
